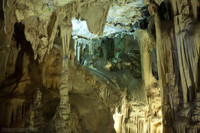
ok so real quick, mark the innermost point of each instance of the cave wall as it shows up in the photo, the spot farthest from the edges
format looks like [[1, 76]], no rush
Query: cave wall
[[24, 77], [177, 42], [42, 21]]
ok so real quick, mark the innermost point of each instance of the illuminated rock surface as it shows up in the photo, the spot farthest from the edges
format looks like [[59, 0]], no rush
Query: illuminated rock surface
[[100, 66]]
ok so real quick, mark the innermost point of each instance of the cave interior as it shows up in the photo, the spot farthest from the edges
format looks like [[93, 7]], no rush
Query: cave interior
[[100, 66]]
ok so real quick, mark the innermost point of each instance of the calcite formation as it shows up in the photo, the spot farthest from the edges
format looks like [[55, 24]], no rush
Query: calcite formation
[[103, 66], [178, 56]]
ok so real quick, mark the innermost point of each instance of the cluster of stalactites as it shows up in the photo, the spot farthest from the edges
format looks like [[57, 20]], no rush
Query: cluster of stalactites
[[42, 19]]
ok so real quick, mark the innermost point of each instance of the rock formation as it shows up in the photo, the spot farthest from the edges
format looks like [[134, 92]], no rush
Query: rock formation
[[177, 45], [103, 66]]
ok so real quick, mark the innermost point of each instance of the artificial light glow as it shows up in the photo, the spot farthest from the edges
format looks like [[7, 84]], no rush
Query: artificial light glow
[[117, 119], [79, 28], [156, 127]]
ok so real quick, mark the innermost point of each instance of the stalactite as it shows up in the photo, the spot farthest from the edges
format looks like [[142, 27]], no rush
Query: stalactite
[[9, 111], [79, 53], [52, 28], [75, 48], [66, 31]]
